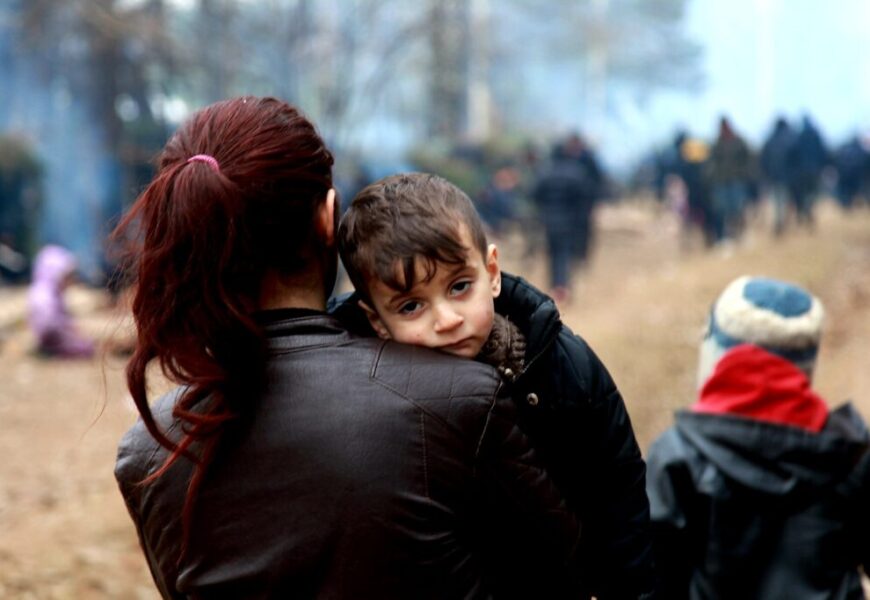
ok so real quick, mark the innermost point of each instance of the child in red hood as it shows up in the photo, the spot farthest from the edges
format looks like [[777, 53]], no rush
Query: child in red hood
[[759, 491]]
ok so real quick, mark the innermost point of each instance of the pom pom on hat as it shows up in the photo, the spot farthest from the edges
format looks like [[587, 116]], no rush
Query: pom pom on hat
[[780, 317]]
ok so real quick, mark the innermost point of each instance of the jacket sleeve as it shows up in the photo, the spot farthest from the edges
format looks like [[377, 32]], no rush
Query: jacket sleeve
[[166, 588], [618, 546], [669, 486], [131, 468], [517, 489], [860, 482]]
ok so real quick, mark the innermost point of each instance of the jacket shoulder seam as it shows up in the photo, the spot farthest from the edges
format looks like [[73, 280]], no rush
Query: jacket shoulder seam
[[487, 397]]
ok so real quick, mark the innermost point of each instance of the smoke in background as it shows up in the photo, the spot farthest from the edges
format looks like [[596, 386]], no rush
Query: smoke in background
[[81, 179]]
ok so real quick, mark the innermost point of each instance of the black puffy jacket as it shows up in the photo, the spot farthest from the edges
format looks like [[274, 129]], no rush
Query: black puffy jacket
[[570, 407], [367, 469], [576, 417]]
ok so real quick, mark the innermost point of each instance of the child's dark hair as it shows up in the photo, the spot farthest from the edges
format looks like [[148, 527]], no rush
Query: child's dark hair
[[235, 197], [403, 218]]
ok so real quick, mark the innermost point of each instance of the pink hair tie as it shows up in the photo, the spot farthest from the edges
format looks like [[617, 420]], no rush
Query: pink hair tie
[[208, 159]]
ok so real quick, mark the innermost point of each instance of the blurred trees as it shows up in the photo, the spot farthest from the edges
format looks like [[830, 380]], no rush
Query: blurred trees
[[638, 42], [105, 53], [78, 85], [341, 58], [448, 39], [638, 47], [99, 84], [19, 206]]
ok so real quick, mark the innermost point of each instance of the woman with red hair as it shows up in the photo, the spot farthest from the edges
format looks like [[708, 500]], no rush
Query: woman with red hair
[[295, 459]]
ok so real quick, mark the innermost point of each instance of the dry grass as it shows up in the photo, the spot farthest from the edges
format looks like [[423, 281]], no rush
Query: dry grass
[[642, 304]]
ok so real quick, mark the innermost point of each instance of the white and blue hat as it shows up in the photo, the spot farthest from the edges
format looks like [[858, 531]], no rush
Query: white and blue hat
[[780, 317]]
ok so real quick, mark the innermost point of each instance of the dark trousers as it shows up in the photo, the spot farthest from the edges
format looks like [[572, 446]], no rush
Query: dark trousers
[[560, 245]]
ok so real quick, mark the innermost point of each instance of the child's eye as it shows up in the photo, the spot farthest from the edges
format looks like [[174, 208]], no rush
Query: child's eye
[[460, 287], [409, 308]]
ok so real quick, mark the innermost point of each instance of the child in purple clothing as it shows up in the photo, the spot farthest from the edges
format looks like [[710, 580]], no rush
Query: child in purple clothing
[[50, 321]]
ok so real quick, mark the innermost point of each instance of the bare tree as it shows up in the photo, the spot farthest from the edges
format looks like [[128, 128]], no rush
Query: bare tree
[[642, 42], [448, 38], [586, 52]]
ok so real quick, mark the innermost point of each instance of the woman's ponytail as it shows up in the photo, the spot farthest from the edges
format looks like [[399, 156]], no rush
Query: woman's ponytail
[[234, 197]]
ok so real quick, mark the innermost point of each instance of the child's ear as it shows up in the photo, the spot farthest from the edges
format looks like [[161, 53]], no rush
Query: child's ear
[[493, 270], [375, 321]]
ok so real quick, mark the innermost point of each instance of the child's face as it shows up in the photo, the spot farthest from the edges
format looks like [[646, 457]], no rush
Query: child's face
[[452, 312]]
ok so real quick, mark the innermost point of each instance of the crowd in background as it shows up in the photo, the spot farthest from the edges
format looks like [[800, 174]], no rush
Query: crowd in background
[[548, 194], [715, 186]]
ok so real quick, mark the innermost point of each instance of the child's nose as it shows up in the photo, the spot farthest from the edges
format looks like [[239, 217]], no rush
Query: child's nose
[[447, 319]]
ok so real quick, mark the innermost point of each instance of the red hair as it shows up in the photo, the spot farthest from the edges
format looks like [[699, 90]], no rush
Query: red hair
[[203, 239]]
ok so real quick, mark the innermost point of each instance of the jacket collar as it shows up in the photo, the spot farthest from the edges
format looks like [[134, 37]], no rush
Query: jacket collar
[[533, 311], [286, 332], [273, 315]]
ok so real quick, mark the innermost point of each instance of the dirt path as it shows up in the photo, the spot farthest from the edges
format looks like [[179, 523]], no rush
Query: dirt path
[[65, 531], [643, 304]]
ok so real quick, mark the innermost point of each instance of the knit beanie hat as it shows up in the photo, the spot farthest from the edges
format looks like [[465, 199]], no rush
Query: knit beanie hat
[[780, 317]]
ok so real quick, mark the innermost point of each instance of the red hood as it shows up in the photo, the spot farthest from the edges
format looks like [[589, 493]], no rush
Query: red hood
[[751, 382]]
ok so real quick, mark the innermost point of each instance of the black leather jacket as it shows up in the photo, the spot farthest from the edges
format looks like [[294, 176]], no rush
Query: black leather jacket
[[368, 469]]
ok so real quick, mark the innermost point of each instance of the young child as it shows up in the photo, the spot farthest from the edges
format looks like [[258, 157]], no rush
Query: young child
[[415, 249], [52, 325], [759, 490]]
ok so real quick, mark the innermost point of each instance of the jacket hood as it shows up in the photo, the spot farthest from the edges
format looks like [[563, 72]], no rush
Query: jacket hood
[[530, 309], [772, 458], [751, 382], [52, 265]]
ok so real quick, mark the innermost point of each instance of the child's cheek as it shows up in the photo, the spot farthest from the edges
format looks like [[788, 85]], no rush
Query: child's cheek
[[486, 320], [410, 336]]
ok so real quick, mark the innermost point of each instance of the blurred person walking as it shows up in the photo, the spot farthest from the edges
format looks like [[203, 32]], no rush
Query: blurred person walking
[[808, 158], [50, 320], [683, 178], [852, 162], [759, 491], [295, 459], [497, 202], [577, 148], [730, 172], [776, 170], [527, 168], [564, 195]]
